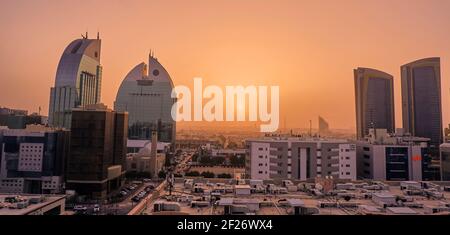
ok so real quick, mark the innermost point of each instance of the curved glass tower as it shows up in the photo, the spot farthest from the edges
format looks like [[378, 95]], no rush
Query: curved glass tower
[[78, 80], [145, 94], [421, 99], [374, 96]]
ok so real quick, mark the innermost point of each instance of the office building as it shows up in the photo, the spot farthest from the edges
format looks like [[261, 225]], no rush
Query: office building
[[78, 80], [300, 158], [19, 119], [387, 156], [97, 160], [145, 94], [445, 161], [323, 126], [421, 100], [374, 97], [32, 160]]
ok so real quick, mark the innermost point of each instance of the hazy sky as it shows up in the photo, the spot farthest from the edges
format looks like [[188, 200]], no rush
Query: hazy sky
[[308, 48]]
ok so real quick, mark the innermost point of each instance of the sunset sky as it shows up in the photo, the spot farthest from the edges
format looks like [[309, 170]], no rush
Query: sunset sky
[[308, 48]]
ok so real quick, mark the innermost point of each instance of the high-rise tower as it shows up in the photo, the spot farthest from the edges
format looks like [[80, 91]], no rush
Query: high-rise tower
[[374, 97], [78, 80]]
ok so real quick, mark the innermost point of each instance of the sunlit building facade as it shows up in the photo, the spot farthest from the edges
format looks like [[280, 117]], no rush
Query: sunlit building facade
[[374, 97], [78, 80], [145, 94]]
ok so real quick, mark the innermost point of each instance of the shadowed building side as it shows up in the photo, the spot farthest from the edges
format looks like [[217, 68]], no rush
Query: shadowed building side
[[374, 98]]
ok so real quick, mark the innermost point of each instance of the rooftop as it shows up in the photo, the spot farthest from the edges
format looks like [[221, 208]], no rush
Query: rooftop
[[27, 203], [283, 203]]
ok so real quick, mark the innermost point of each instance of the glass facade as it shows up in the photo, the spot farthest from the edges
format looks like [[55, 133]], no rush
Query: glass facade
[[378, 113], [421, 100], [374, 98], [146, 96], [97, 143], [19, 164], [427, 104], [397, 163], [78, 81]]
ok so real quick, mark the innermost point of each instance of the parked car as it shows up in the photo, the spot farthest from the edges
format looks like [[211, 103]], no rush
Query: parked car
[[79, 208], [148, 189], [135, 199], [96, 208]]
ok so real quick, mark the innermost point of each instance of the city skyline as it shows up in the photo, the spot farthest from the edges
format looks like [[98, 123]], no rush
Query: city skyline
[[294, 43]]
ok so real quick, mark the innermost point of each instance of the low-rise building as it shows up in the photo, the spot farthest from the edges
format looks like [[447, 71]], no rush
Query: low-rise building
[[25, 204], [300, 158], [149, 159], [32, 160], [384, 156]]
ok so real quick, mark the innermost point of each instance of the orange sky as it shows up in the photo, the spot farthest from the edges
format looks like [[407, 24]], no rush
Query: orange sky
[[308, 48]]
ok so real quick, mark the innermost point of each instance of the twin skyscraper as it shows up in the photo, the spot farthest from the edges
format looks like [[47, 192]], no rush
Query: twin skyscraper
[[421, 100], [145, 93]]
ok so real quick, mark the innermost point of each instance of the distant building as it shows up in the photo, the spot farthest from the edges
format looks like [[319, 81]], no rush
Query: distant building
[[374, 97], [19, 119], [32, 160], [78, 80], [323, 126], [421, 100], [145, 94], [384, 156], [300, 158], [134, 146], [147, 159], [447, 134], [445, 161], [96, 164]]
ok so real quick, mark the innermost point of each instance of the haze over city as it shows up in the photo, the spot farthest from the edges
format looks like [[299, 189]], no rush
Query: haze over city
[[308, 48]]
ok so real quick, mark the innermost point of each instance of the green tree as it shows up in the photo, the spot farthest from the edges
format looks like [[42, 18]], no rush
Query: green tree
[[224, 175], [192, 173], [237, 160], [207, 174], [162, 174]]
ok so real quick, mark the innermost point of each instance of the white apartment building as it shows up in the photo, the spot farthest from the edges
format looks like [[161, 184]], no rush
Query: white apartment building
[[300, 158]]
